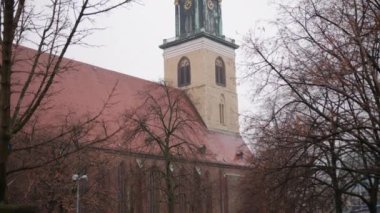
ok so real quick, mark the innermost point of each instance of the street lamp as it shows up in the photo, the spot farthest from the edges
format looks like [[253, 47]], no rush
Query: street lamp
[[77, 178]]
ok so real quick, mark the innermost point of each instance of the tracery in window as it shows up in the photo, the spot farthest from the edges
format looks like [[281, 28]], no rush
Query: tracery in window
[[220, 72], [221, 110], [184, 75]]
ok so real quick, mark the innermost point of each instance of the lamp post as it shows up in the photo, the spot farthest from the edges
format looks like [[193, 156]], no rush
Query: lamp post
[[77, 178]]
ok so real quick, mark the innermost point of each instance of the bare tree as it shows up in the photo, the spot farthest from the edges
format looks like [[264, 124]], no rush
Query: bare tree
[[285, 175], [51, 188], [166, 125], [46, 156], [323, 69], [50, 27]]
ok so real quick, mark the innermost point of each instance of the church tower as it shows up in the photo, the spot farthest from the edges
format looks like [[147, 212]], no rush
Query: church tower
[[201, 60]]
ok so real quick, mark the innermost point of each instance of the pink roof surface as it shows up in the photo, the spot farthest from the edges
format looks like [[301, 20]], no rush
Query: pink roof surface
[[228, 149], [83, 89]]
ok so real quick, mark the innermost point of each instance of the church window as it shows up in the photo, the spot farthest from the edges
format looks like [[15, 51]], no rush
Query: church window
[[182, 196], [184, 75], [137, 198], [220, 72], [154, 193], [221, 110], [221, 113], [208, 192], [196, 202], [123, 189]]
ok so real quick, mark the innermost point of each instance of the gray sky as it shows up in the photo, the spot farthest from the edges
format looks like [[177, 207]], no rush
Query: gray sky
[[129, 44]]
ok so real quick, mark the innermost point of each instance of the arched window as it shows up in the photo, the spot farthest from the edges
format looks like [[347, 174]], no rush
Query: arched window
[[123, 188], [184, 76], [220, 72], [221, 110], [182, 190], [196, 202], [208, 192], [154, 190]]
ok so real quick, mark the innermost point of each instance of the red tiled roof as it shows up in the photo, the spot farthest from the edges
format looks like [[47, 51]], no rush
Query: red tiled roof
[[83, 89]]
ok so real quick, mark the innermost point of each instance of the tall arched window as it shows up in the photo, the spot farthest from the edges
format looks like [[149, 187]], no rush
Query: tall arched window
[[220, 72], [154, 190], [221, 110], [182, 190], [208, 192], [123, 188], [184, 75]]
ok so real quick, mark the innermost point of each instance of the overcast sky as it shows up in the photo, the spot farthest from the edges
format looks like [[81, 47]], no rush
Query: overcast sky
[[129, 44]]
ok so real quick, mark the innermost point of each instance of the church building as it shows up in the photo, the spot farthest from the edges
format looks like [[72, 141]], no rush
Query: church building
[[134, 161]]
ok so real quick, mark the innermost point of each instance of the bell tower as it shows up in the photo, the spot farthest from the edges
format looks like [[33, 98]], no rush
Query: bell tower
[[201, 60]]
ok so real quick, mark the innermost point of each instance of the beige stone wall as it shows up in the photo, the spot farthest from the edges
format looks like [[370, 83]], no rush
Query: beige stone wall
[[203, 90]]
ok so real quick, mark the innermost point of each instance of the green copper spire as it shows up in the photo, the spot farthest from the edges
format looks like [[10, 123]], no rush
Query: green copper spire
[[193, 16], [198, 19]]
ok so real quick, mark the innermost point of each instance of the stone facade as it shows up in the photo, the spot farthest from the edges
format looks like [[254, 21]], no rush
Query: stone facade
[[204, 92], [199, 39]]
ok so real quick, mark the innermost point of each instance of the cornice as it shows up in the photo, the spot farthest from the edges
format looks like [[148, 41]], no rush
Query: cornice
[[175, 159], [184, 46]]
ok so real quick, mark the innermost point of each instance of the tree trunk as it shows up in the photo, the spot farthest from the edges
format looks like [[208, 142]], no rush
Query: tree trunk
[[338, 201], [5, 94], [3, 182], [373, 193], [334, 178], [169, 188]]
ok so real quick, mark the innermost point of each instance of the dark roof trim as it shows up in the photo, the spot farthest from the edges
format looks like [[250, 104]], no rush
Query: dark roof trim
[[219, 39], [157, 157]]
